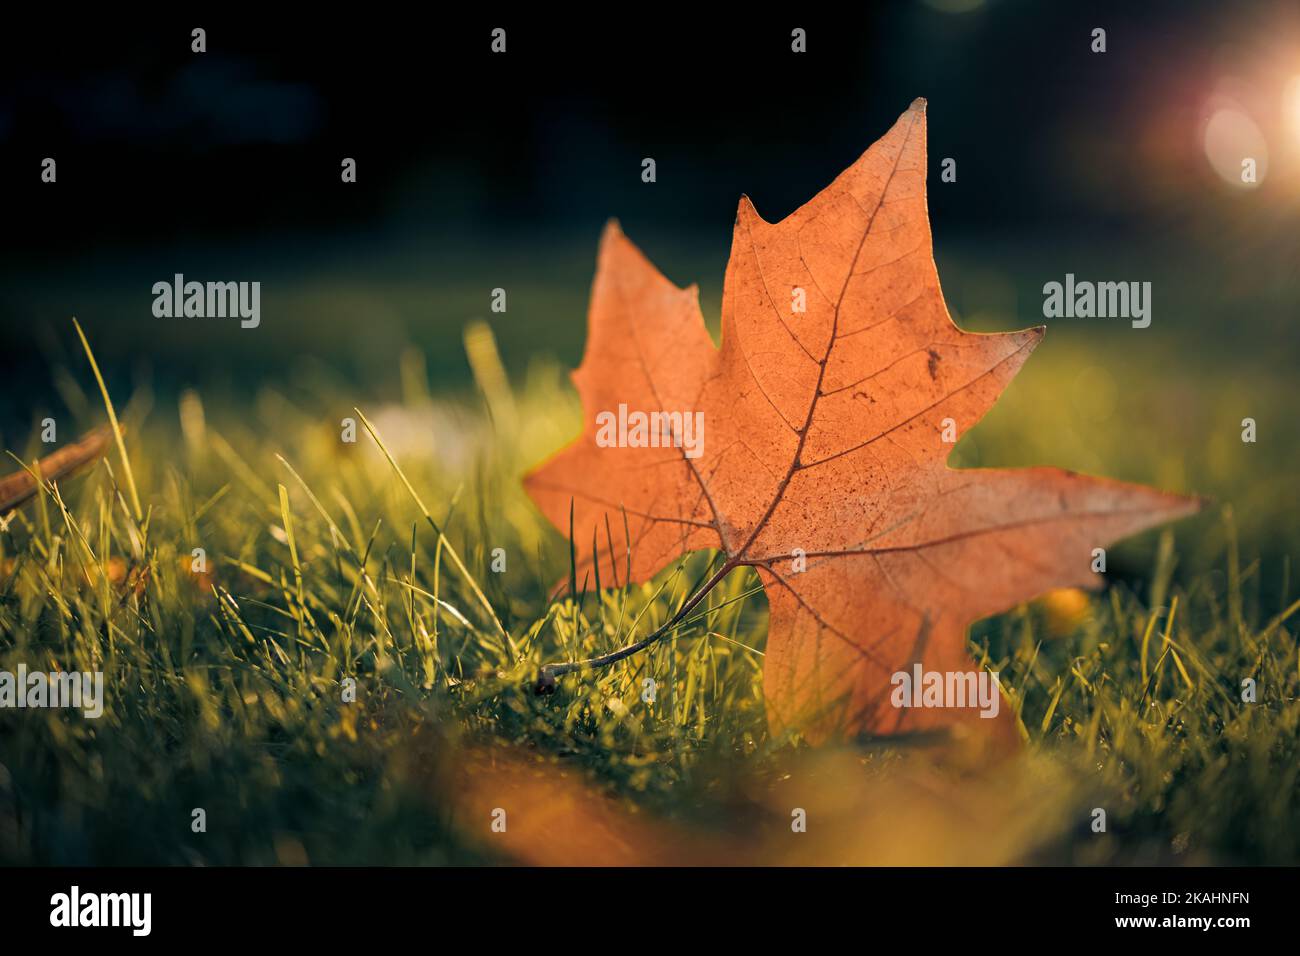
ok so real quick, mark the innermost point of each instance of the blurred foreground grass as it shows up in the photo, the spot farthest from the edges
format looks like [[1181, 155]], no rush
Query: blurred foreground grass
[[224, 686]]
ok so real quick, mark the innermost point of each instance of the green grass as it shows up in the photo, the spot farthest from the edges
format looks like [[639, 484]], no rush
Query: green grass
[[329, 560]]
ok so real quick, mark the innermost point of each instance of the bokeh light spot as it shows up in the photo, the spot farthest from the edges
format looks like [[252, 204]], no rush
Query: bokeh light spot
[[1231, 138]]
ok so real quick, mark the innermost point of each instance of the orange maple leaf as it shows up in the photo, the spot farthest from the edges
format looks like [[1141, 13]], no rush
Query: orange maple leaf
[[810, 446]]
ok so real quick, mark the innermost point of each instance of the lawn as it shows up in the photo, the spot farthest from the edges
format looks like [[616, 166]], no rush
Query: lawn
[[347, 676]]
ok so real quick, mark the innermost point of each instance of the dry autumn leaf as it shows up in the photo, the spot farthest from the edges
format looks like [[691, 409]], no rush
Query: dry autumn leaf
[[557, 815], [825, 461]]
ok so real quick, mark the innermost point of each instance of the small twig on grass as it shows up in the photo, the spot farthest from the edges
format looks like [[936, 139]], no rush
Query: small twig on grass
[[22, 485]]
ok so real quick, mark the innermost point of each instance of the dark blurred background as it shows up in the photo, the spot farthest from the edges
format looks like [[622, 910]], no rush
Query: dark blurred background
[[478, 170]]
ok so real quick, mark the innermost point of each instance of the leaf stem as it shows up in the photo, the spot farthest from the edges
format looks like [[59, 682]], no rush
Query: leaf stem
[[549, 672]]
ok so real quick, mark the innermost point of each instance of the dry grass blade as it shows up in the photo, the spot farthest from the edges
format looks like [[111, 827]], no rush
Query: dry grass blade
[[112, 418]]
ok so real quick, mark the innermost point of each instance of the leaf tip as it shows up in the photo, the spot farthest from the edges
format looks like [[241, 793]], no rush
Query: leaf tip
[[613, 230], [1174, 506], [745, 211]]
